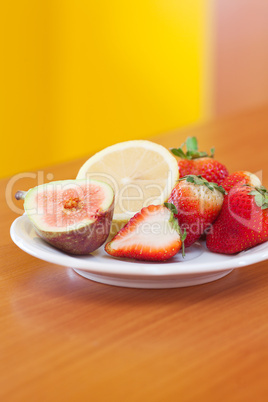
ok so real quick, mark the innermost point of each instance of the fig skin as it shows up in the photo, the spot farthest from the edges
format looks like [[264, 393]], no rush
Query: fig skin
[[84, 240]]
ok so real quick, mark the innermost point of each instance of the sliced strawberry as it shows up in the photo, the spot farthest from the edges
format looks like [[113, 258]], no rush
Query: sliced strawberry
[[153, 234], [193, 162], [243, 221], [198, 204], [240, 177]]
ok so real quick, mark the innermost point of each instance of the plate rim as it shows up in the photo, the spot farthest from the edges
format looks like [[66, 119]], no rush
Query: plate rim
[[129, 268]]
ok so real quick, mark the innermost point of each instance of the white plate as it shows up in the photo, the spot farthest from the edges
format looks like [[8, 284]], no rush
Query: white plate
[[199, 266]]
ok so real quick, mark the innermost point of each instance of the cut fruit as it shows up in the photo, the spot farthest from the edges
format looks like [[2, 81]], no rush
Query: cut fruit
[[141, 173], [73, 215], [153, 234]]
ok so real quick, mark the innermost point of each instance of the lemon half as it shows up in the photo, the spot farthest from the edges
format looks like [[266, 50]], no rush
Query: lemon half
[[141, 173]]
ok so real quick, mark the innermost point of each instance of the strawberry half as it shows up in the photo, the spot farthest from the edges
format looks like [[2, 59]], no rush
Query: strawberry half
[[243, 221], [197, 163], [153, 234], [198, 204], [241, 177]]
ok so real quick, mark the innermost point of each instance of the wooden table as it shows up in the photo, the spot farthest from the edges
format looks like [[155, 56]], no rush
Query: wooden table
[[65, 338]]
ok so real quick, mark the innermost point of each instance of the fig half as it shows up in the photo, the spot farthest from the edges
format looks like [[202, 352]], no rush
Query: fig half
[[72, 215]]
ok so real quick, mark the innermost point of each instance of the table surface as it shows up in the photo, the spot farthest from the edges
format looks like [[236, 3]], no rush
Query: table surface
[[66, 338]]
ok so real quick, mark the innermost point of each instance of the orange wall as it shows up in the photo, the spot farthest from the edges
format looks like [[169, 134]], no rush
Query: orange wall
[[240, 52]]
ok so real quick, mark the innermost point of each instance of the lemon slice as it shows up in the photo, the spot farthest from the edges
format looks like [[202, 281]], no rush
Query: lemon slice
[[141, 173]]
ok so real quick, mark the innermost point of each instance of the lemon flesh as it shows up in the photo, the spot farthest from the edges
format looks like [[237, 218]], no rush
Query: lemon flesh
[[141, 173]]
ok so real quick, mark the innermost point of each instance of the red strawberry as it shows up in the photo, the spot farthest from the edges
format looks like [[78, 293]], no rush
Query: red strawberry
[[240, 177], [197, 163], [153, 234], [198, 203], [243, 221]]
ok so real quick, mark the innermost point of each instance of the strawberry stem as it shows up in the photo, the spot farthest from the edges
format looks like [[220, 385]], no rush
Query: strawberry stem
[[192, 144], [175, 224], [191, 150], [183, 237]]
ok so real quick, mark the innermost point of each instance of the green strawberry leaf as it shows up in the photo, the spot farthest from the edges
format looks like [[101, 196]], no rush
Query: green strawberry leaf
[[178, 152], [171, 207], [200, 181], [190, 179], [259, 200], [254, 192], [260, 196], [209, 186]]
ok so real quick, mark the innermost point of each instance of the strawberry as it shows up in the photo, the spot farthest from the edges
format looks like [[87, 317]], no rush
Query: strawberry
[[198, 203], [153, 234], [243, 221], [240, 177], [197, 163]]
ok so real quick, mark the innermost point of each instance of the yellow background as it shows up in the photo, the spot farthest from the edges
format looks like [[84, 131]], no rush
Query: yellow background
[[77, 76]]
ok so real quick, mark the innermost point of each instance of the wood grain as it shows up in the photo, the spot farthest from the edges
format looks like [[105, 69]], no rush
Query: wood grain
[[65, 338]]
